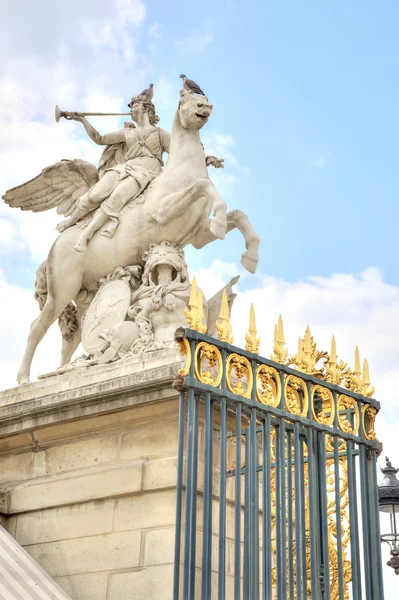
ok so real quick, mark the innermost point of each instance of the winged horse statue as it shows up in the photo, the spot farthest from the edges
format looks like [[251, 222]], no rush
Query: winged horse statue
[[180, 205]]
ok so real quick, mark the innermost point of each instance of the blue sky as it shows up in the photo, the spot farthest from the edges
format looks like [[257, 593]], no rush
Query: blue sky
[[308, 93]]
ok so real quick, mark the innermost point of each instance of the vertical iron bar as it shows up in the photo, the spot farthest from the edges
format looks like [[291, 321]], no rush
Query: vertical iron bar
[[248, 466], [298, 512], [377, 534], [303, 518], [365, 507], [256, 475], [179, 496], [246, 518], [290, 537], [189, 492], [337, 482], [207, 501], [323, 513], [313, 528], [193, 510], [222, 501], [267, 512], [254, 511], [353, 524], [283, 501], [237, 509], [277, 471]]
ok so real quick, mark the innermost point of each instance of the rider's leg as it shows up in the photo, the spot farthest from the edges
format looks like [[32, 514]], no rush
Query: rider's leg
[[91, 199], [127, 188], [99, 219]]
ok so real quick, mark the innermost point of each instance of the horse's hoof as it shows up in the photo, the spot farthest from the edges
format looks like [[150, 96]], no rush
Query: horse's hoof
[[218, 228], [80, 247], [249, 262], [23, 379]]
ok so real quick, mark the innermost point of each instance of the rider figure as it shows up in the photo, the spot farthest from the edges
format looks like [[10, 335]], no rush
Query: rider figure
[[123, 182]]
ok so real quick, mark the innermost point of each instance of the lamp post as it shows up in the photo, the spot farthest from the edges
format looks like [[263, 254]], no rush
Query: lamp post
[[388, 499]]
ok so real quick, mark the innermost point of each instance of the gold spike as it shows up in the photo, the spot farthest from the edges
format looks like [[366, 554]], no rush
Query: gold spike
[[201, 326], [223, 323], [191, 311], [280, 331], [252, 342], [335, 371], [298, 357], [333, 354], [366, 373], [357, 370], [368, 389], [279, 353]]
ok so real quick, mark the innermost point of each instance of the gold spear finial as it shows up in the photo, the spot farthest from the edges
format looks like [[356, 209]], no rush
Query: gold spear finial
[[357, 373], [252, 342], [366, 372], [194, 311], [333, 353], [368, 389], [298, 357], [201, 326], [357, 369], [279, 353], [335, 371], [223, 323]]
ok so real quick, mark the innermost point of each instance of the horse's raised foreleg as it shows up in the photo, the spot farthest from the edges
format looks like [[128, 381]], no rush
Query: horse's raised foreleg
[[174, 205], [235, 219]]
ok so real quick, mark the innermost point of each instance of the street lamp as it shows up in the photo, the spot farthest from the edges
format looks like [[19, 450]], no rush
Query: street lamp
[[388, 494]]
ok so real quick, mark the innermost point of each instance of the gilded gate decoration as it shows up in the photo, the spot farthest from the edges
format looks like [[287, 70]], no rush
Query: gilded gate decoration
[[318, 419]]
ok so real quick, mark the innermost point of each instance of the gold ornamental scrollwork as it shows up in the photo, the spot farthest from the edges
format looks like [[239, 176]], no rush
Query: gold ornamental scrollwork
[[184, 350], [239, 376], [347, 405], [296, 397], [369, 414], [268, 386], [323, 407], [208, 364]]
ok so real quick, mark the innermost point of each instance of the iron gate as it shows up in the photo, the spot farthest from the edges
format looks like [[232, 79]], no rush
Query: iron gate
[[276, 491]]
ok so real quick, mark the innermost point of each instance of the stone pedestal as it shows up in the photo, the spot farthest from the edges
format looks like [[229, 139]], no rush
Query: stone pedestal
[[88, 465]]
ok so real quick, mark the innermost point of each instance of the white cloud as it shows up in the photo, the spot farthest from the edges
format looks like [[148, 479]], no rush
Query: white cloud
[[131, 11], [319, 162], [196, 43], [89, 74], [19, 308], [7, 238], [220, 145]]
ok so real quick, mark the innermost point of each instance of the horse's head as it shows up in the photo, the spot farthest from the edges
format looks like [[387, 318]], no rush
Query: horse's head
[[194, 110]]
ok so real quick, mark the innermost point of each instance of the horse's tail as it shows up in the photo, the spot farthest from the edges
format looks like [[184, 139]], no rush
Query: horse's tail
[[67, 320]]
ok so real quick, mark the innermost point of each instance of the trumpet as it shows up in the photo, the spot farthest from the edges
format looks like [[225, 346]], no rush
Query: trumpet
[[67, 115]]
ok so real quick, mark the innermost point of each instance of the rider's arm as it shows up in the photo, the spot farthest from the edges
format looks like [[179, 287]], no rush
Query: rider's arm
[[165, 136], [102, 140]]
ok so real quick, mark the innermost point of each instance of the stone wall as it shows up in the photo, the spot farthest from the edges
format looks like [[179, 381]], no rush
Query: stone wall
[[88, 477]]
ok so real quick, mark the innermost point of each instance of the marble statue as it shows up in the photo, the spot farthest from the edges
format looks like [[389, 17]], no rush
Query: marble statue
[[129, 215]]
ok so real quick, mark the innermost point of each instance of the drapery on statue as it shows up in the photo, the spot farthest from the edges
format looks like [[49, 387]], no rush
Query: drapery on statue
[[145, 204]]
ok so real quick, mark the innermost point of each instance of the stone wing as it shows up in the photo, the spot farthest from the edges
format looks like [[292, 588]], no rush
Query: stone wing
[[59, 185]]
